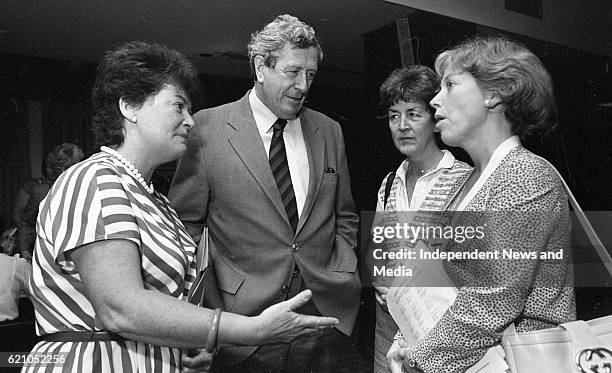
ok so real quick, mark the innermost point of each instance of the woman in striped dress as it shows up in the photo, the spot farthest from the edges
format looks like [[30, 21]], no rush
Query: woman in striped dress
[[113, 262]]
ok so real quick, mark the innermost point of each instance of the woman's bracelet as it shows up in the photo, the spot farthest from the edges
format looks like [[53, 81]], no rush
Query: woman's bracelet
[[213, 332]]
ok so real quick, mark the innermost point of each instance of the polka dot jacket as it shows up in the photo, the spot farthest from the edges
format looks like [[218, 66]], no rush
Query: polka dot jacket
[[524, 209]]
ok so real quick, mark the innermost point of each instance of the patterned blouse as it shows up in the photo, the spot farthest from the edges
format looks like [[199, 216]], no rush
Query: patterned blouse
[[95, 200], [432, 190], [524, 208]]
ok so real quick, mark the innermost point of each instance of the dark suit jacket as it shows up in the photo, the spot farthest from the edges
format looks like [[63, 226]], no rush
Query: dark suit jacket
[[225, 182]]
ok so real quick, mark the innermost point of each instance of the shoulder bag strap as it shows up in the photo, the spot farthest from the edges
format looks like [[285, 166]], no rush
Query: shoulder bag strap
[[388, 186], [586, 225]]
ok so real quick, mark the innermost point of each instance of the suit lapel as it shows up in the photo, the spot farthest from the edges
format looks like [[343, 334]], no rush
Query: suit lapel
[[246, 141], [315, 148]]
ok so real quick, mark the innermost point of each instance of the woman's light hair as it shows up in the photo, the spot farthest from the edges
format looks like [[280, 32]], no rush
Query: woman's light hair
[[512, 72]]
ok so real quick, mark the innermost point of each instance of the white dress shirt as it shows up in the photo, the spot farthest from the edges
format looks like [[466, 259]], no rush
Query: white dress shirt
[[295, 146]]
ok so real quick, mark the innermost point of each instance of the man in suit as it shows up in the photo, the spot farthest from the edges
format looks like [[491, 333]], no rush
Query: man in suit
[[269, 178]]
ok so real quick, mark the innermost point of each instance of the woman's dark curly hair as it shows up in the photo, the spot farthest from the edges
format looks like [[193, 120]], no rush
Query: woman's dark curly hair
[[135, 71], [514, 73], [411, 84]]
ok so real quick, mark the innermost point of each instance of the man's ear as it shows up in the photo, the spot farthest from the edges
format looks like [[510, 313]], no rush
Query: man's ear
[[260, 64], [127, 110]]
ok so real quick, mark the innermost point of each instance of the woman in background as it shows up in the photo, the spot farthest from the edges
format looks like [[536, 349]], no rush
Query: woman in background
[[426, 174], [493, 93], [113, 262], [25, 207]]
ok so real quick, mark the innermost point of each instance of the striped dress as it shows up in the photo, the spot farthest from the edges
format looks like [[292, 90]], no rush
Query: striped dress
[[95, 200]]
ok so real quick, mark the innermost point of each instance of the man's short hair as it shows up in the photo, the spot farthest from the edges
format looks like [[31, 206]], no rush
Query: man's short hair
[[283, 30]]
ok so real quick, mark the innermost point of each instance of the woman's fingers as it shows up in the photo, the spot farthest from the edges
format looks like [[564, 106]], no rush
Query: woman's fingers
[[280, 322], [380, 300], [382, 290], [317, 322], [199, 360], [299, 300], [395, 357], [381, 295]]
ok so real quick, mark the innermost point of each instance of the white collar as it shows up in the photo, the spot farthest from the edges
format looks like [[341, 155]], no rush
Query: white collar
[[264, 117], [496, 158], [447, 161]]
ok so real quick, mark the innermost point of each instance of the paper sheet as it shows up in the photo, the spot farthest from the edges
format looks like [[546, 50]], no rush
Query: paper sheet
[[417, 309]]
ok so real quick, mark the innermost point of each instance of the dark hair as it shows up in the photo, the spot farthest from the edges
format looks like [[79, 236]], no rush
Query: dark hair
[[135, 71], [61, 158], [514, 73], [283, 30], [415, 83]]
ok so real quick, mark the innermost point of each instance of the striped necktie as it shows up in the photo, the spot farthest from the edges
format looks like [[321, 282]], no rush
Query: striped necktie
[[280, 170]]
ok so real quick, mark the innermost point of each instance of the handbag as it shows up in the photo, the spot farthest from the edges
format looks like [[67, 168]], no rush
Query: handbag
[[577, 346]]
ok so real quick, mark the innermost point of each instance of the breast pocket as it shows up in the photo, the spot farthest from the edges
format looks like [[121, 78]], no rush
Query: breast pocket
[[330, 177]]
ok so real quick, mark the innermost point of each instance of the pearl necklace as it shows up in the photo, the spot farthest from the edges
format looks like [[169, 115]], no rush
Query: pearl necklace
[[130, 168]]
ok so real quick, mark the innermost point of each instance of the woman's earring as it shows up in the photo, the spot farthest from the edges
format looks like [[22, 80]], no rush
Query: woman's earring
[[487, 103], [133, 120]]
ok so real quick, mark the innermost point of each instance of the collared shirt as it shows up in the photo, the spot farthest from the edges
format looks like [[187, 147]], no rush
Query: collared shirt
[[295, 146], [422, 187], [432, 192]]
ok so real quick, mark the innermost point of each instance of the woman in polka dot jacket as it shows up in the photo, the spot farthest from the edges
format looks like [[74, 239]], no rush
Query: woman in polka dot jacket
[[495, 92]]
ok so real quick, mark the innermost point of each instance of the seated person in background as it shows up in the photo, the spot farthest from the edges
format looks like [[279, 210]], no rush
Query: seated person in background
[[14, 276], [25, 208]]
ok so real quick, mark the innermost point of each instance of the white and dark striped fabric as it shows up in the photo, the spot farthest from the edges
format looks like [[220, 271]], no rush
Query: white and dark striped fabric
[[92, 201]]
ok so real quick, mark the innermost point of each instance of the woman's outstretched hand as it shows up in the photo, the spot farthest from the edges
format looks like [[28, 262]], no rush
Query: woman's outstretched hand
[[279, 323]]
